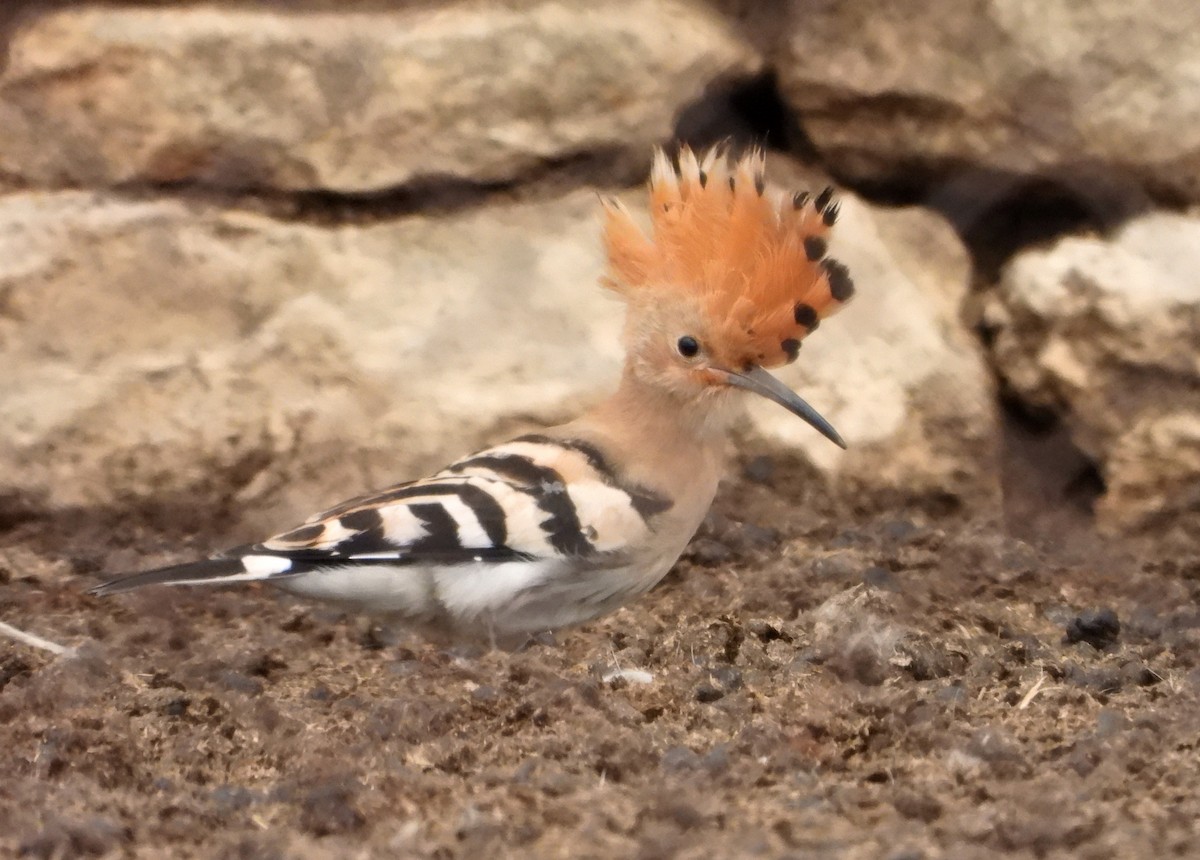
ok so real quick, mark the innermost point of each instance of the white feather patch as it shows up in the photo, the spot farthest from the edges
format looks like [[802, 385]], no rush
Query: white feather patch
[[488, 590], [262, 566], [523, 521], [382, 588], [400, 526], [470, 532]]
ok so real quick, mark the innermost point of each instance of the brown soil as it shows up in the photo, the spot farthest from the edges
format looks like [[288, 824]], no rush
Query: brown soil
[[822, 686]]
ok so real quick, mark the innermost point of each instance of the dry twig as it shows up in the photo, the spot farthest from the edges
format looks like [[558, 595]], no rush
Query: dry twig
[[32, 640]]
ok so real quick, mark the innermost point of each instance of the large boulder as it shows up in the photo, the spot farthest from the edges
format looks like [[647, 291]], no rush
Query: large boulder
[[1106, 334], [163, 349], [158, 349], [349, 100], [1085, 91]]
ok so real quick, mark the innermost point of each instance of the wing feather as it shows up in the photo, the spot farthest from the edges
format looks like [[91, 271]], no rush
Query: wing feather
[[533, 498], [537, 499]]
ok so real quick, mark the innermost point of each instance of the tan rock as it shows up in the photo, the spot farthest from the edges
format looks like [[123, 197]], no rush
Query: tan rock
[[1105, 334], [159, 348], [1154, 477], [352, 100], [1081, 89]]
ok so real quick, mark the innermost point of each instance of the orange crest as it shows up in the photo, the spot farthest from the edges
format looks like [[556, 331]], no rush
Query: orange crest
[[752, 259]]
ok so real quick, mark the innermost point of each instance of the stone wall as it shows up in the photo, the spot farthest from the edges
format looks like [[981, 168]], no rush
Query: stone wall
[[270, 254]]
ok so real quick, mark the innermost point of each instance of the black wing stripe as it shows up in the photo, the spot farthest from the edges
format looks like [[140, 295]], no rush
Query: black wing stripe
[[362, 520], [368, 506], [368, 527], [562, 527], [644, 500], [488, 511], [361, 543], [590, 452], [441, 530], [372, 538], [514, 469], [648, 503]]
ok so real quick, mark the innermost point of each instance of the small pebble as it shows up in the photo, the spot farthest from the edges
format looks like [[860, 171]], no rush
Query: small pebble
[[1138, 674], [1097, 627]]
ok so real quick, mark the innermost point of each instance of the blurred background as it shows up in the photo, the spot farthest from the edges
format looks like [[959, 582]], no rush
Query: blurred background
[[257, 256]]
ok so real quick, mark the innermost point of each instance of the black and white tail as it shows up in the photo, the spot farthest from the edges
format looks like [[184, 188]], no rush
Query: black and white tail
[[211, 571]]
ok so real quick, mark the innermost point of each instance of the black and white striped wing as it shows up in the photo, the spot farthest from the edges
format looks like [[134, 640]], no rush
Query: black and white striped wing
[[536, 499], [531, 499], [441, 520]]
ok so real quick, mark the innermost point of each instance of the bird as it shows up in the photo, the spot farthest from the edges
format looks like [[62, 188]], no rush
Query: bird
[[556, 528]]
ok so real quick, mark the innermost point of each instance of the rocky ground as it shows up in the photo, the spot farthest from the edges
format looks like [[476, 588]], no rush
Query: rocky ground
[[808, 683]]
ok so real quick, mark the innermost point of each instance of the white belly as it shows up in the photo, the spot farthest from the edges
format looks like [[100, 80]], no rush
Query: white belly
[[481, 599], [386, 589]]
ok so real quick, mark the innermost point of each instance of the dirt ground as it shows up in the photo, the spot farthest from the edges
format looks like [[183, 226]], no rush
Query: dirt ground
[[809, 682]]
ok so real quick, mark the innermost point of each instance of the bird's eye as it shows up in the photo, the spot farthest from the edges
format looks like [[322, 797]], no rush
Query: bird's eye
[[688, 346]]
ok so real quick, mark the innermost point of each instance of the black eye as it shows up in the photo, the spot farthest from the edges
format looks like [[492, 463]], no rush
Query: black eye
[[688, 346]]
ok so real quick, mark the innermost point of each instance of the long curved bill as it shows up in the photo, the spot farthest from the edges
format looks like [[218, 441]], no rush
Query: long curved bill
[[760, 382]]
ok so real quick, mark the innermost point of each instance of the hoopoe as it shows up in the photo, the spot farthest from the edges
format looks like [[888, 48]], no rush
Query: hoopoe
[[555, 528]]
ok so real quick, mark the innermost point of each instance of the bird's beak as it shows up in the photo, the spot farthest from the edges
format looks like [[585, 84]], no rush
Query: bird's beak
[[760, 382]]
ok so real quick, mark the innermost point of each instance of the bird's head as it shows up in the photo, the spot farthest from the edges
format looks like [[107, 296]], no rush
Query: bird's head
[[732, 278]]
